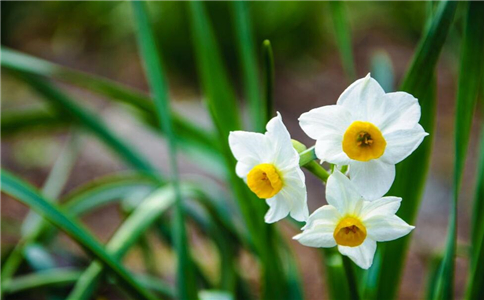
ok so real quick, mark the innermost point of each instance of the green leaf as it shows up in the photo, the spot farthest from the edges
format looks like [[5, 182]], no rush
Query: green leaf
[[47, 278], [223, 108], [382, 70], [470, 79], [33, 223], [268, 63], [14, 122], [248, 64], [215, 80], [191, 136], [155, 75], [475, 288], [26, 194], [62, 277], [89, 121], [125, 237], [343, 37], [410, 181]]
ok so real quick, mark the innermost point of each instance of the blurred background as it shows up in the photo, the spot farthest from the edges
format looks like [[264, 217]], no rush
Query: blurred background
[[98, 38]]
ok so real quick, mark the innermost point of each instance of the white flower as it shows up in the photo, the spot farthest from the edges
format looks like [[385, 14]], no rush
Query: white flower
[[352, 223], [368, 130], [270, 166]]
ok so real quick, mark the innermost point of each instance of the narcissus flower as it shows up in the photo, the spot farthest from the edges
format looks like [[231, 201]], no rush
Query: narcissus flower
[[352, 223], [368, 130], [270, 166]]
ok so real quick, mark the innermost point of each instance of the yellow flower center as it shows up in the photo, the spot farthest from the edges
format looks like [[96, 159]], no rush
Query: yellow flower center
[[363, 141], [264, 180], [349, 232]]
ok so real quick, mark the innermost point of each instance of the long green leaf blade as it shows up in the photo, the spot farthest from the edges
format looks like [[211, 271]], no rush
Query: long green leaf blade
[[343, 37], [191, 135], [89, 121], [248, 63], [125, 237], [155, 75], [268, 63], [470, 80], [410, 181], [30, 197]]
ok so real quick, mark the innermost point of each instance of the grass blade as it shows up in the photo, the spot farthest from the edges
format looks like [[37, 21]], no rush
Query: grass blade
[[382, 70], [268, 58], [126, 236], [191, 136], [470, 79], [410, 181], [32, 225], [475, 286], [42, 279], [343, 37], [248, 64], [89, 121], [67, 276], [14, 122], [223, 108], [155, 75], [26, 194]]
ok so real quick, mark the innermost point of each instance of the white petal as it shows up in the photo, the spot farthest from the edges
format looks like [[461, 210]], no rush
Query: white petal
[[279, 208], [330, 149], [386, 206], [400, 111], [295, 195], [372, 178], [326, 215], [319, 236], [250, 149], [279, 140], [362, 98], [321, 121], [361, 255], [342, 194], [401, 143], [386, 228]]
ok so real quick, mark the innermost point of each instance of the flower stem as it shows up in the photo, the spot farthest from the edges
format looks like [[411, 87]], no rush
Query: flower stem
[[307, 159]]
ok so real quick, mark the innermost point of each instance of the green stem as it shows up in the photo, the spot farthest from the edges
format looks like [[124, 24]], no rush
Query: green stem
[[307, 160]]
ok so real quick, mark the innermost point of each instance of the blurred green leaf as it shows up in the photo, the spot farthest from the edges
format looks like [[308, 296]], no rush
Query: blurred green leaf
[[29, 120], [66, 277], [89, 121], [33, 223], [48, 278], [158, 85], [190, 135], [225, 114], [248, 64], [382, 70], [127, 234], [26, 194], [475, 288], [470, 79], [343, 37], [411, 173], [268, 63]]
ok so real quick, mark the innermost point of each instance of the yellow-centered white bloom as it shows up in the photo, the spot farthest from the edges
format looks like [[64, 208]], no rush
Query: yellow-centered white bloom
[[352, 223], [270, 166], [368, 130]]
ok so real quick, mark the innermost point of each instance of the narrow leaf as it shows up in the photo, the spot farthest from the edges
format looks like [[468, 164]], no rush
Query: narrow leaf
[[26, 194], [343, 37], [155, 75], [248, 63], [410, 181]]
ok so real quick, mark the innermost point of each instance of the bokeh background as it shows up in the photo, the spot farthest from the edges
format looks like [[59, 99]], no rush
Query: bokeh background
[[98, 37]]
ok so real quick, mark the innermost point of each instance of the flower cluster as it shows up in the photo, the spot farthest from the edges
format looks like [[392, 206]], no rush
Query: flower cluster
[[366, 133]]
